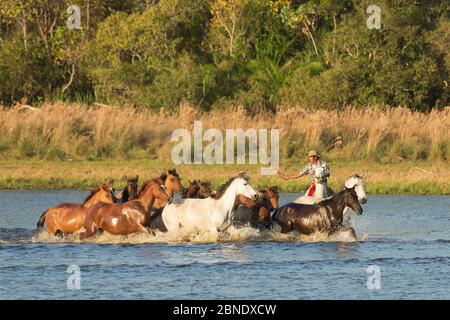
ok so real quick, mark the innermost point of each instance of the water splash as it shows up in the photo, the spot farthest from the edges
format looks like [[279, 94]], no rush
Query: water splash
[[232, 234]]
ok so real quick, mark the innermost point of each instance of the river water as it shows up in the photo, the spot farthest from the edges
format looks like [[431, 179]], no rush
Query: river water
[[402, 252]]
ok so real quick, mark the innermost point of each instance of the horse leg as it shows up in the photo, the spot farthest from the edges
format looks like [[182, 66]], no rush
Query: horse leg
[[59, 234], [221, 228], [50, 223], [91, 229], [285, 227], [141, 228]]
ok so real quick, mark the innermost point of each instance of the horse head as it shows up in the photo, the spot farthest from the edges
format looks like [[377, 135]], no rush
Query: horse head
[[163, 194], [243, 187], [272, 194], [243, 200], [266, 202], [103, 193], [356, 181], [132, 186], [204, 190], [351, 200], [192, 190], [156, 188], [172, 180], [319, 175]]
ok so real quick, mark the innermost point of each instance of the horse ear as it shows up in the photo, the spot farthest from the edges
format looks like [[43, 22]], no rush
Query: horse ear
[[137, 177]]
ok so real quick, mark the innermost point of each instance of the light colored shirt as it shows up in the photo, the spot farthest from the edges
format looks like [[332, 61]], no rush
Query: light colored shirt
[[310, 168]]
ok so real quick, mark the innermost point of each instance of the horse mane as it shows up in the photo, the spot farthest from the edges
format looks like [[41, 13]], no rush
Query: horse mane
[[355, 175], [225, 186], [326, 201], [147, 183], [93, 192], [172, 172]]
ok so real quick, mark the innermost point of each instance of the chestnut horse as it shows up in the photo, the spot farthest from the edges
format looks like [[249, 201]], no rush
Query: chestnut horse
[[172, 182], [129, 217], [69, 217], [242, 200], [258, 216], [325, 216]]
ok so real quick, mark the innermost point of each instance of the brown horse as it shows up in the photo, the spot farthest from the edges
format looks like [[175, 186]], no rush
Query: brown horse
[[69, 217], [272, 194], [172, 182], [258, 216], [124, 218], [129, 192], [198, 190], [325, 216], [244, 201]]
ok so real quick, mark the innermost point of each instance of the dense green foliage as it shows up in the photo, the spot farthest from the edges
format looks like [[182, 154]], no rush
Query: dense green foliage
[[217, 53]]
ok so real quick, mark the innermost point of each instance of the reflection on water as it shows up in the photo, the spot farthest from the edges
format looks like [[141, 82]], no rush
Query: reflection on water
[[406, 236]]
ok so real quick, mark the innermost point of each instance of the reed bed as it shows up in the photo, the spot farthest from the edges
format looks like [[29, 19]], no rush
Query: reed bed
[[75, 146], [68, 131]]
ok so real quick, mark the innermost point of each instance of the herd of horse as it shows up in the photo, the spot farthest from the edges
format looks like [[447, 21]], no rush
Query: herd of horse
[[236, 203]]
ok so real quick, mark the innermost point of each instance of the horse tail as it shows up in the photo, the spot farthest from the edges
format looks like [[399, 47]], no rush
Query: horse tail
[[41, 220]]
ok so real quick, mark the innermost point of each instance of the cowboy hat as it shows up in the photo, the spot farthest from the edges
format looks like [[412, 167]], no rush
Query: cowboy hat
[[313, 153]]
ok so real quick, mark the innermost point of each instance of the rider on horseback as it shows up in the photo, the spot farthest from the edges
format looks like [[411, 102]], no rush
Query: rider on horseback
[[314, 162]]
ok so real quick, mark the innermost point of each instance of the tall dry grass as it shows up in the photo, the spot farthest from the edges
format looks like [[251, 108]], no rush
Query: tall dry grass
[[70, 131]]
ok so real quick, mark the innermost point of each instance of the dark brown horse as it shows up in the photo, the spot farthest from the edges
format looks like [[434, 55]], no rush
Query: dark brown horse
[[198, 190], [258, 216], [325, 216], [130, 191], [124, 218], [172, 182], [69, 217]]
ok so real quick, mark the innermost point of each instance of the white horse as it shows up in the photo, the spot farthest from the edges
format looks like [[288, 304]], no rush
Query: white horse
[[357, 182], [210, 214], [321, 192]]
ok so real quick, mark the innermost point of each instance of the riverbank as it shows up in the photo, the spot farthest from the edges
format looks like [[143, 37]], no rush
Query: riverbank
[[401, 178]]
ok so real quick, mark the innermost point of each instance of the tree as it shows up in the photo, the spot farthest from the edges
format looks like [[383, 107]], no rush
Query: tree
[[146, 58]]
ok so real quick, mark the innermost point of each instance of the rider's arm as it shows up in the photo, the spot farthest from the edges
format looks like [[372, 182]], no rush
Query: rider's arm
[[286, 177], [295, 176], [304, 172]]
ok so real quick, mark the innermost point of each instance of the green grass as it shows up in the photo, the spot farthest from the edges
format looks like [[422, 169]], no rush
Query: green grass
[[400, 178]]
